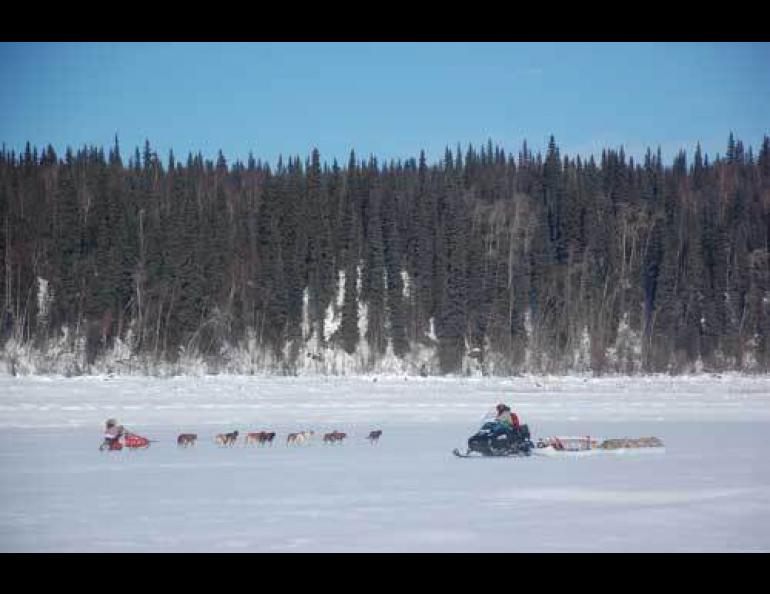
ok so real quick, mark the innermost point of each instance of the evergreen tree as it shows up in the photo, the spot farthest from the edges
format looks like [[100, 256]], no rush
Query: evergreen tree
[[374, 281], [451, 322], [393, 268]]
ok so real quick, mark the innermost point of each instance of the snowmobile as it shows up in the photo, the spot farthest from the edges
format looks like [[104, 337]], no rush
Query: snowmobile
[[497, 439]]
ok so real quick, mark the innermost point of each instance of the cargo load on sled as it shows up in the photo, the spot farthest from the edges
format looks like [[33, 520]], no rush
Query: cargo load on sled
[[557, 446]]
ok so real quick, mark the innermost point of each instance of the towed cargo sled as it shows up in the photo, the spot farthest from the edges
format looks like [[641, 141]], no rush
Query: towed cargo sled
[[559, 446]]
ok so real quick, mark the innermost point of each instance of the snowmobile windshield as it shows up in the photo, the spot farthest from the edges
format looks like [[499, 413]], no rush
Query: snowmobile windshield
[[491, 426]]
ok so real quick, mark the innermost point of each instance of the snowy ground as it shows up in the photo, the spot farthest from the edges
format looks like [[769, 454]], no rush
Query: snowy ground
[[708, 492]]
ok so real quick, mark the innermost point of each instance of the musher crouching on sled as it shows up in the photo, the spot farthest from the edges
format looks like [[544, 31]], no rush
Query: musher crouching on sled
[[112, 435]]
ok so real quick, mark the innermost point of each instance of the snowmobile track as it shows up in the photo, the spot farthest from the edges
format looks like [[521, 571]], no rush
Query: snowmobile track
[[459, 454]]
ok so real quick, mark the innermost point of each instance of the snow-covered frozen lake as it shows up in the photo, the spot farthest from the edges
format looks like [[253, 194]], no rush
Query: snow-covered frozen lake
[[710, 490]]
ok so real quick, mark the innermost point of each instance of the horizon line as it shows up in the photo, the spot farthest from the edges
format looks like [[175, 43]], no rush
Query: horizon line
[[464, 148]]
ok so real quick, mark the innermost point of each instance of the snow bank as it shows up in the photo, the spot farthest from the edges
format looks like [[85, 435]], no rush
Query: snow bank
[[86, 401]]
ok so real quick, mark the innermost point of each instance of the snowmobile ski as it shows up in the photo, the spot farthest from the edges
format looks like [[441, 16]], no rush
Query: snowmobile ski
[[474, 454], [460, 454]]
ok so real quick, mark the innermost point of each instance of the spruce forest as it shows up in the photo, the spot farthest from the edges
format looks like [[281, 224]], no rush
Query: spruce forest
[[486, 262]]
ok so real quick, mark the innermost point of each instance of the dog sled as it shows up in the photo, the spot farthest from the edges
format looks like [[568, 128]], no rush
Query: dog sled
[[130, 441]]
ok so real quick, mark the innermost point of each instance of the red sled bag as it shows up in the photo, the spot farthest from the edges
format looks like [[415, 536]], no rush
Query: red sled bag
[[136, 441]]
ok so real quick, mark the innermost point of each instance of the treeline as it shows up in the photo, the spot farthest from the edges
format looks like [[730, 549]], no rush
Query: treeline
[[518, 263]]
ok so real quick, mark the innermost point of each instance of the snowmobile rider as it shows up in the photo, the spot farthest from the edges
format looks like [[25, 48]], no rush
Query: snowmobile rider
[[507, 417]]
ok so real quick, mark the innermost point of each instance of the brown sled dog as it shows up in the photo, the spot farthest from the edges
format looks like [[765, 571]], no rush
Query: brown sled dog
[[227, 439], [186, 439]]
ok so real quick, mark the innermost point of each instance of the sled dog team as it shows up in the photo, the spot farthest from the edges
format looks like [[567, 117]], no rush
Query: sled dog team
[[267, 437]]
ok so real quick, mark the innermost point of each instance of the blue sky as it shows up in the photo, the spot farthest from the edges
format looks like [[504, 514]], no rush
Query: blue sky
[[386, 99]]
